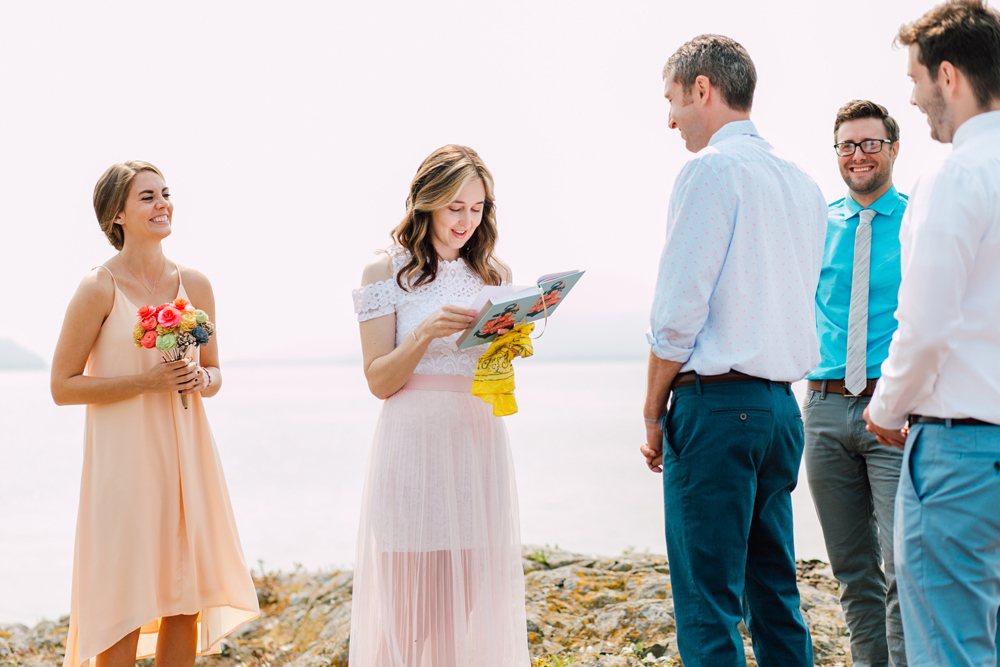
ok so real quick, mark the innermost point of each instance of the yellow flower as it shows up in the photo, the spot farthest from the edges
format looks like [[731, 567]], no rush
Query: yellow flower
[[188, 321], [163, 331], [137, 333]]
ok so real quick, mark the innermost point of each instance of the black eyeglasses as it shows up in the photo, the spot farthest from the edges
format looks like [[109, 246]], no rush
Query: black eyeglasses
[[868, 147]]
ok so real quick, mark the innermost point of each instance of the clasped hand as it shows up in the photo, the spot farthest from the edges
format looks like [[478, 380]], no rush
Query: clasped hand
[[183, 376], [886, 436], [652, 449]]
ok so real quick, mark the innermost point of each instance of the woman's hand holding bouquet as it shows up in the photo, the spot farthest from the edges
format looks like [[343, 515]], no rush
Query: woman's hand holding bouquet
[[171, 376]]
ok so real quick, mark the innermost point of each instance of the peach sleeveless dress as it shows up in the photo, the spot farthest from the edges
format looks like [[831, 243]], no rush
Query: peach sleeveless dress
[[155, 534]]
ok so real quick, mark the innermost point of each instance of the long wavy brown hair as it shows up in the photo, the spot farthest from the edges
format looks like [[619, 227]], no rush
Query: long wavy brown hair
[[438, 181]]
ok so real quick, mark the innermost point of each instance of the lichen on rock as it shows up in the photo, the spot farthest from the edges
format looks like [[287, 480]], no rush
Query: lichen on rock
[[584, 611]]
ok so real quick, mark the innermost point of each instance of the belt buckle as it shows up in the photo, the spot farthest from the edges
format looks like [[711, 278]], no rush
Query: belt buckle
[[848, 394]]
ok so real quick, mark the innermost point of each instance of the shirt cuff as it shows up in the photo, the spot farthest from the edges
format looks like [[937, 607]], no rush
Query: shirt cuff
[[882, 417], [666, 351]]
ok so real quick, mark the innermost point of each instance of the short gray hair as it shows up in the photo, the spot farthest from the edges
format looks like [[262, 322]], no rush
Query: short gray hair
[[726, 64]]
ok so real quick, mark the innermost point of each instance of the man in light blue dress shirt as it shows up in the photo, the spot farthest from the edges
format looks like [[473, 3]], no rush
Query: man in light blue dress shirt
[[852, 477], [732, 325]]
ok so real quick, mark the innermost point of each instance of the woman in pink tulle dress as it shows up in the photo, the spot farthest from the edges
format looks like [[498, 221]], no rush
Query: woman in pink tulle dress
[[439, 581], [158, 567]]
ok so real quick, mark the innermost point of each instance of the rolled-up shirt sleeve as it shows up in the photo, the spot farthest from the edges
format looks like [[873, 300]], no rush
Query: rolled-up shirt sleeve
[[939, 244], [700, 225]]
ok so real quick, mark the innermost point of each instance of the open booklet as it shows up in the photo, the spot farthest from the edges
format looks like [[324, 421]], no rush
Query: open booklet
[[503, 306]]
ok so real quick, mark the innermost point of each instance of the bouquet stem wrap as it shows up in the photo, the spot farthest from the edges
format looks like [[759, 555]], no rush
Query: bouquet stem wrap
[[176, 355], [494, 380]]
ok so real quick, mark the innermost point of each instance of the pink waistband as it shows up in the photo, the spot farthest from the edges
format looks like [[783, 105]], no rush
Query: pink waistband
[[439, 383]]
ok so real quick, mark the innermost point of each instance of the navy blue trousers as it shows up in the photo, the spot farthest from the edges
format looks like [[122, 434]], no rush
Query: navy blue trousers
[[731, 459]]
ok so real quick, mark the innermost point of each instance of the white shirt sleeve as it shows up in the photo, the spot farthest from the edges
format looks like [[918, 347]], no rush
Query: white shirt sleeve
[[700, 225], [940, 237]]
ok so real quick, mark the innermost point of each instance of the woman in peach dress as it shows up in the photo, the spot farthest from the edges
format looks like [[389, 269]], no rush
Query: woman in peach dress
[[158, 567], [439, 579]]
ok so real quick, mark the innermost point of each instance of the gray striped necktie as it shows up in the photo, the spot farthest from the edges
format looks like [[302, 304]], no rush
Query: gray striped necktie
[[856, 377]]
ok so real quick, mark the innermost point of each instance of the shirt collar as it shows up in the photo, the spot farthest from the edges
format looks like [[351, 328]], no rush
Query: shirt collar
[[733, 129], [982, 122], [884, 205]]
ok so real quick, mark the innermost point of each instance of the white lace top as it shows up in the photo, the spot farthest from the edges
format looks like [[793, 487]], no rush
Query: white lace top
[[455, 284]]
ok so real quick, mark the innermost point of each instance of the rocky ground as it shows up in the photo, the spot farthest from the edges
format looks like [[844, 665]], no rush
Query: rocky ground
[[584, 611]]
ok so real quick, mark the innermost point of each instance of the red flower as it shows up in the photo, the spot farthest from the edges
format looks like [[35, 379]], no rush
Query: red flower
[[181, 304], [148, 323], [149, 340], [169, 316], [144, 312]]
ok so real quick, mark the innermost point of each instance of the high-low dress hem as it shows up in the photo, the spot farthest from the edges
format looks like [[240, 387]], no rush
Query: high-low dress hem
[[147, 640]]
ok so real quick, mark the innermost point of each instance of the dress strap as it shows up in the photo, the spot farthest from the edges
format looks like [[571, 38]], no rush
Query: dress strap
[[101, 266], [180, 283]]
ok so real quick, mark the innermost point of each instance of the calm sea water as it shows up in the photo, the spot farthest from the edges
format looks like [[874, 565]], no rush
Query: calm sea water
[[294, 441]]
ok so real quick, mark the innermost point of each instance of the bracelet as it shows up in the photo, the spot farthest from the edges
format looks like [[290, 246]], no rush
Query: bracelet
[[654, 420], [209, 375], [414, 334]]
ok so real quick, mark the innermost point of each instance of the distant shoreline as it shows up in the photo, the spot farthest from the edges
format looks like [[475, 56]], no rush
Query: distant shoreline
[[14, 357]]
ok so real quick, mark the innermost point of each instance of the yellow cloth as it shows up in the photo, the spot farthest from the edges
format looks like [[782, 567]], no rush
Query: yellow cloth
[[494, 380]]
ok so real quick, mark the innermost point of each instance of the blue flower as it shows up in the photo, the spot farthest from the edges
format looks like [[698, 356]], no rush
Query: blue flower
[[200, 335]]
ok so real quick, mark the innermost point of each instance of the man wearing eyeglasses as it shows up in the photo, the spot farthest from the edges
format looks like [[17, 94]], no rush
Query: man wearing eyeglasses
[[851, 476]]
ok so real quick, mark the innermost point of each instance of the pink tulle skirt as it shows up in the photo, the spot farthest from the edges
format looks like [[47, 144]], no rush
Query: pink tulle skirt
[[438, 580]]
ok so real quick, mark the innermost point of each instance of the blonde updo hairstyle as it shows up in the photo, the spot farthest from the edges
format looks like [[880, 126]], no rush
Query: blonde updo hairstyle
[[111, 193], [438, 181]]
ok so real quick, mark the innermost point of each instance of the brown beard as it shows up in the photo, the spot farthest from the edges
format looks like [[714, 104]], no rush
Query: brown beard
[[939, 116], [880, 174]]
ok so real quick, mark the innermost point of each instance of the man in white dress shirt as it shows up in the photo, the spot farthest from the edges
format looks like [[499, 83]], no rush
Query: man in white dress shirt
[[732, 326], [943, 369]]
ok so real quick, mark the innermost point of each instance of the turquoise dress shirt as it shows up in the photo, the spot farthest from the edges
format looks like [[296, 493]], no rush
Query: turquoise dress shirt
[[833, 295]]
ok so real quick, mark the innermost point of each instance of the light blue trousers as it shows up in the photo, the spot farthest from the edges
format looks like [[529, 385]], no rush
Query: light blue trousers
[[947, 538]]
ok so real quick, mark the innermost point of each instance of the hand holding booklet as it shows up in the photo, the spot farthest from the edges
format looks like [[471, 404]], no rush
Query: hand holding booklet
[[504, 306]]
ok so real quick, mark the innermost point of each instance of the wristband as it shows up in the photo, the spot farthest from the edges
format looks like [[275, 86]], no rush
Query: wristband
[[654, 420], [414, 334], [208, 375]]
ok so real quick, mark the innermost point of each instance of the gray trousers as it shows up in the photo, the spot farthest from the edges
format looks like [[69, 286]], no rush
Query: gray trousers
[[853, 481]]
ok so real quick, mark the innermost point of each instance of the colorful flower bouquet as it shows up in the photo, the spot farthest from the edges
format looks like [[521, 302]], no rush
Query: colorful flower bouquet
[[172, 328]]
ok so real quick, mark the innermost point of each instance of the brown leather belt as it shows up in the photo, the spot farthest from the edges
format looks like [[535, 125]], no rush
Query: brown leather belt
[[687, 379], [837, 387]]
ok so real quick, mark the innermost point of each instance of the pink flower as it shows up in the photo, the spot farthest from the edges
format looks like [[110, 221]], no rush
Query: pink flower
[[149, 340], [169, 317], [148, 323]]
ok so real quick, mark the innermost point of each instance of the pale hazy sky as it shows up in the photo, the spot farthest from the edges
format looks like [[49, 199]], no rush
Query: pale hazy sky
[[289, 132]]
